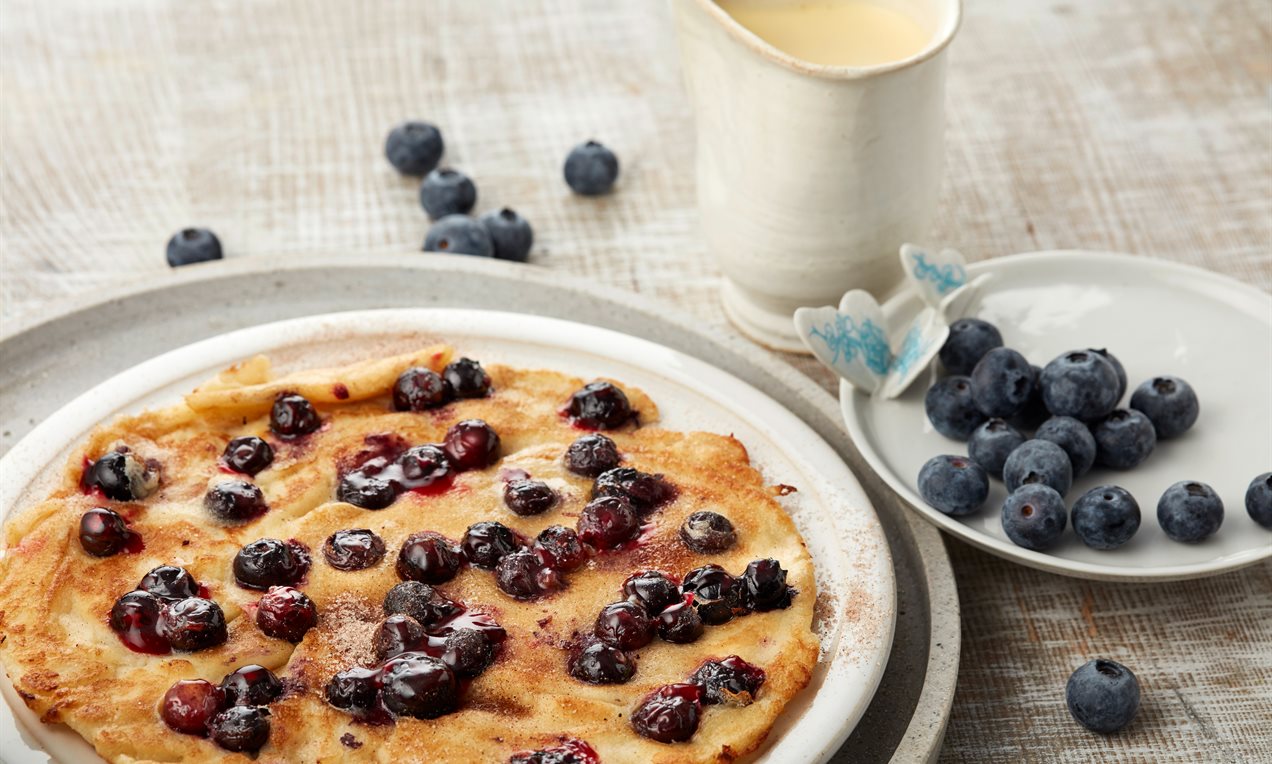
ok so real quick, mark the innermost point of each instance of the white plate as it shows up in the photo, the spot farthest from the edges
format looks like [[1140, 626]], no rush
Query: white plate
[[1157, 318], [853, 565]]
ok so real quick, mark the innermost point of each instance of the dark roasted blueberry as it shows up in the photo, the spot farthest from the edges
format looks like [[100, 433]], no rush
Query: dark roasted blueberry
[[135, 617], [1190, 511], [599, 663], [193, 245], [591, 169], [485, 543], [529, 497], [467, 652], [1081, 384], [398, 634], [731, 681], [624, 625], [417, 685], [354, 689], [590, 455], [599, 406], [523, 575], [1258, 500], [103, 533], [189, 705], [286, 613], [652, 590], [969, 340], [121, 476], [366, 491], [420, 389], [292, 416], [764, 586], [421, 602], [467, 378], [251, 685], [424, 466], [1038, 461], [234, 501], [247, 455], [1103, 696], [1169, 403], [990, 444], [643, 490], [707, 532], [269, 562], [511, 234], [1105, 517], [954, 485], [169, 582], [446, 191], [560, 548], [679, 623], [193, 623], [459, 235], [1074, 438], [429, 557], [240, 728], [716, 594], [1002, 382], [951, 408], [1124, 439], [1034, 516], [356, 549], [414, 148], [669, 714], [472, 445], [1118, 369], [607, 523]]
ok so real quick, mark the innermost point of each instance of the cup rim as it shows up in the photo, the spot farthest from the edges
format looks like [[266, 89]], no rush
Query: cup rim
[[938, 43]]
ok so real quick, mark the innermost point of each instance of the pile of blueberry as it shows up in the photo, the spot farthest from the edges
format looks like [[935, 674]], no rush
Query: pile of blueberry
[[447, 196], [993, 395], [168, 611], [234, 714]]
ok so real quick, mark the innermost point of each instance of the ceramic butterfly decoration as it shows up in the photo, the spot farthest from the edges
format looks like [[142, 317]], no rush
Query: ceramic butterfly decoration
[[853, 338]]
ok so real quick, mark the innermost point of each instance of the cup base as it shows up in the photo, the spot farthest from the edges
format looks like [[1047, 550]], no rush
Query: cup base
[[772, 328]]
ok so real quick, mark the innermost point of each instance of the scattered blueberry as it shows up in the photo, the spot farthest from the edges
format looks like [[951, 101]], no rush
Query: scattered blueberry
[[251, 685], [559, 548], [121, 476], [510, 233], [471, 444], [270, 562], [234, 501], [707, 532], [193, 245], [1103, 696], [1002, 382], [1190, 511], [1169, 403], [590, 455], [764, 586], [624, 625], [1124, 439], [459, 235], [1081, 384], [1074, 438], [420, 389], [292, 416], [1106, 517], [486, 542], [951, 408], [599, 406], [992, 442], [169, 582], [467, 651], [189, 705], [103, 533], [240, 728], [652, 590], [1034, 516], [607, 522], [247, 455], [414, 148], [591, 169], [643, 490], [716, 594], [954, 485], [679, 623], [447, 192], [1258, 500], [467, 378], [354, 549], [599, 663], [969, 340], [428, 557], [421, 602], [420, 686], [669, 714], [528, 497], [399, 633], [193, 623], [1118, 369], [1038, 461], [286, 613], [730, 681], [354, 689], [524, 575]]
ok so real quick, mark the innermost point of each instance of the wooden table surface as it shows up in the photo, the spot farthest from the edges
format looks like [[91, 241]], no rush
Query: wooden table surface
[[1116, 125]]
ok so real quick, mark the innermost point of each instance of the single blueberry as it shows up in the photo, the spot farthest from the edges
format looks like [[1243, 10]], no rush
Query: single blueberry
[[1002, 382], [1081, 384], [511, 234], [1074, 437], [951, 409], [459, 235], [414, 148], [193, 245], [591, 169], [1118, 369], [955, 485], [1102, 695], [992, 442], [1038, 461], [1124, 439], [1190, 511], [1258, 500], [1106, 517], [1034, 517], [447, 192], [1169, 403], [969, 340]]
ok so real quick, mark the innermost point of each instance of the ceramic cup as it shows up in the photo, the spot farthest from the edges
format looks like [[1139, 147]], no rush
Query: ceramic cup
[[810, 177]]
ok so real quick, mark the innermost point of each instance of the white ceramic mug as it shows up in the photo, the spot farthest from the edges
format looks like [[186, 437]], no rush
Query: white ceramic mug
[[810, 177]]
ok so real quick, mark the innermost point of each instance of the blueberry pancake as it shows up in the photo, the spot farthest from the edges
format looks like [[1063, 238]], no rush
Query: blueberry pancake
[[413, 558]]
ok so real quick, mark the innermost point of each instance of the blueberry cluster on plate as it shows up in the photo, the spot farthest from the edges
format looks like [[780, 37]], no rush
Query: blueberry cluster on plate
[[993, 396]]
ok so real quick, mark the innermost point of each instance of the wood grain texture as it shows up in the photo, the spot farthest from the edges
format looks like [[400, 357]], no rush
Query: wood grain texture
[[1110, 125]]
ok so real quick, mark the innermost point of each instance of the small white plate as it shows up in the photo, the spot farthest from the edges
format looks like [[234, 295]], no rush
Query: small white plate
[[857, 595], [1157, 318]]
